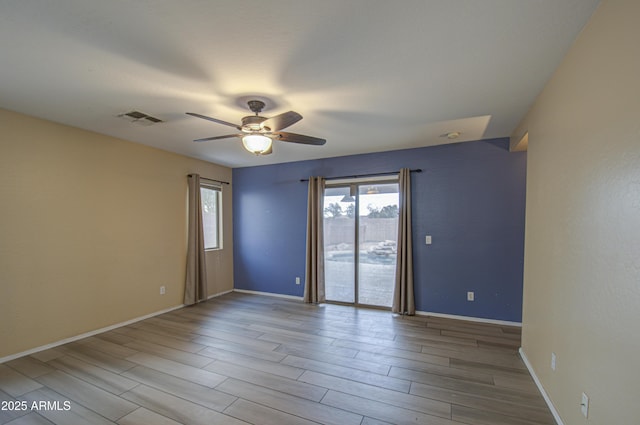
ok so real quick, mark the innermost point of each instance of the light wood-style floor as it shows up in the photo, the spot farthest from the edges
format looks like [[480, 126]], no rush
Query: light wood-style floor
[[253, 359]]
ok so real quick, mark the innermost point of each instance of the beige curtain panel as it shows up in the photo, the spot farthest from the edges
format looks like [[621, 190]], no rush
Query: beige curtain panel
[[195, 289], [403, 301], [314, 279]]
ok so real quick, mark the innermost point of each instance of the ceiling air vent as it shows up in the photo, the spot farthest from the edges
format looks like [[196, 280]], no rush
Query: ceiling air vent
[[140, 118]]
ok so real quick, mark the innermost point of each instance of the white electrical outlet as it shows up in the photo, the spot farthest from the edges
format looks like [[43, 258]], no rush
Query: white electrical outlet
[[297, 281], [553, 361], [427, 240], [470, 296], [584, 405], [163, 290]]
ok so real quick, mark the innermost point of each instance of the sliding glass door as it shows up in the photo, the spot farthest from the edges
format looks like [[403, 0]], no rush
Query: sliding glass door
[[377, 239], [339, 244], [360, 234]]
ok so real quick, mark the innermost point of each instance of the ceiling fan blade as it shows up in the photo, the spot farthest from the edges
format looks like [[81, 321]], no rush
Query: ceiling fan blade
[[226, 136], [281, 121], [299, 138], [204, 117]]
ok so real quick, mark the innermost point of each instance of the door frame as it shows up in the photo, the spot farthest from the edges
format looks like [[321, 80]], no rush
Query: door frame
[[357, 183]]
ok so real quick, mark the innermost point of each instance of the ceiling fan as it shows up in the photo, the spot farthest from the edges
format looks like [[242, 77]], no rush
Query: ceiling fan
[[258, 132]]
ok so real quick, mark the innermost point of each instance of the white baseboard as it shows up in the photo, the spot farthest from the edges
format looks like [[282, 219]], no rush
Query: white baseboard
[[97, 331], [470, 319], [268, 294], [419, 313], [87, 334], [219, 294], [547, 400]]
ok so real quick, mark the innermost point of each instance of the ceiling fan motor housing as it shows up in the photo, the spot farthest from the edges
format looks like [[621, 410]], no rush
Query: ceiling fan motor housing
[[251, 124]]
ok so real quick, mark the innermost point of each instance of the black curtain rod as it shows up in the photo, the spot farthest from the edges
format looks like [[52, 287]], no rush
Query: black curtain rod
[[357, 176], [211, 180]]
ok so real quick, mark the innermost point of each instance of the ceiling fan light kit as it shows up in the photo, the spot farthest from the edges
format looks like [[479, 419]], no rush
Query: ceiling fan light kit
[[257, 144], [259, 132]]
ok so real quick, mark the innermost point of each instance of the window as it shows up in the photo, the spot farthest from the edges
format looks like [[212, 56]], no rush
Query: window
[[211, 215]]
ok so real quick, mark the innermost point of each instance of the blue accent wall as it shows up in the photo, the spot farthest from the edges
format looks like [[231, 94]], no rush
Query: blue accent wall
[[470, 197]]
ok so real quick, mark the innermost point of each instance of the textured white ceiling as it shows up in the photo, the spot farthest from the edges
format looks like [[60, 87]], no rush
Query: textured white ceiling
[[367, 75]]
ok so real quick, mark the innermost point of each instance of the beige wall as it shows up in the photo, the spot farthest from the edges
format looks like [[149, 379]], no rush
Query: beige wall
[[90, 228], [582, 249]]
